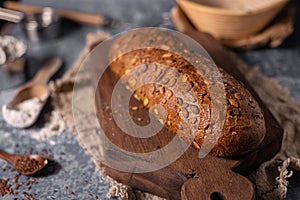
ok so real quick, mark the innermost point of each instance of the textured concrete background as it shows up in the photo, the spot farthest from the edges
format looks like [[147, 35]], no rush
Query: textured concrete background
[[77, 172]]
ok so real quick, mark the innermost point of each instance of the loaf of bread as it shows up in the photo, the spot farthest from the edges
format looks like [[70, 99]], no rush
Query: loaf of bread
[[244, 126]]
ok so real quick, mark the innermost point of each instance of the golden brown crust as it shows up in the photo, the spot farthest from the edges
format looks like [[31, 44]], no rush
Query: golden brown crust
[[244, 126]]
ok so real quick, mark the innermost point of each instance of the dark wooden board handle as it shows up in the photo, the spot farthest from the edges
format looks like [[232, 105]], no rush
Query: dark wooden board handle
[[213, 181]]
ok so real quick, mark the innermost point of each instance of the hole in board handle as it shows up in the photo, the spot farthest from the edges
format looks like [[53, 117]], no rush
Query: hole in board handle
[[217, 196]]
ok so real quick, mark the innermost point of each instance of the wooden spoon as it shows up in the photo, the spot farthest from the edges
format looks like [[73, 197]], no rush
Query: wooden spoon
[[25, 164], [37, 88]]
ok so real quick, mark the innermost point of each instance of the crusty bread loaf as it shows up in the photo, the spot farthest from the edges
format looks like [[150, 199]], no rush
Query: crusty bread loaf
[[244, 125]]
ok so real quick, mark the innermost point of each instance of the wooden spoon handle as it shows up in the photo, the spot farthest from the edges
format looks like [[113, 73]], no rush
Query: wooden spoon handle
[[6, 156], [3, 155], [48, 70]]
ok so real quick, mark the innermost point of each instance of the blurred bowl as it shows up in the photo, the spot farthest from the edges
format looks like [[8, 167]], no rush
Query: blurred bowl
[[231, 19]]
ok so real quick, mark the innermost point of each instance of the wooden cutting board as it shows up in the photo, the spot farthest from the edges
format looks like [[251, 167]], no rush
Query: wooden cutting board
[[188, 177]]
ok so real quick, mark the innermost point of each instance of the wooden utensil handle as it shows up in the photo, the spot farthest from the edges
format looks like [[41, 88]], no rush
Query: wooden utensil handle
[[6, 156], [3, 155], [79, 17], [48, 70]]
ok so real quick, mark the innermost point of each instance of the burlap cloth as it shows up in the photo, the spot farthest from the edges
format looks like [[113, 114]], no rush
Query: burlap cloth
[[270, 179]]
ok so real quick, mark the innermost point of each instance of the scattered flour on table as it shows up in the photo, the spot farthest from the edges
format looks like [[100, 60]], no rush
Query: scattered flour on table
[[23, 114], [54, 126]]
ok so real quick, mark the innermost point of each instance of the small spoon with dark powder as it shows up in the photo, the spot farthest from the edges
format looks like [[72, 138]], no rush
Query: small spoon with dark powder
[[25, 164]]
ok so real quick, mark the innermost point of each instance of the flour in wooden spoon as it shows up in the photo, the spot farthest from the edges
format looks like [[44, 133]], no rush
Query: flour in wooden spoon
[[23, 114]]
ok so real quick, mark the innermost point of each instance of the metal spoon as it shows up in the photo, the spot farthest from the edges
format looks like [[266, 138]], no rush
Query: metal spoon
[[25, 164], [11, 15], [37, 88]]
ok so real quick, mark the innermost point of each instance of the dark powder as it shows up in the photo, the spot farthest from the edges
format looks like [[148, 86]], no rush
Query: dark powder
[[5, 188], [27, 165], [28, 196]]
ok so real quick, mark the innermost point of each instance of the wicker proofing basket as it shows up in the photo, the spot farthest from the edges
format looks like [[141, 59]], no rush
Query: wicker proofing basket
[[231, 19]]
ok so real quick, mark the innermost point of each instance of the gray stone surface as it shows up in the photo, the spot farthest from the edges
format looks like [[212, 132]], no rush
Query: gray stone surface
[[281, 64], [74, 175], [77, 171]]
